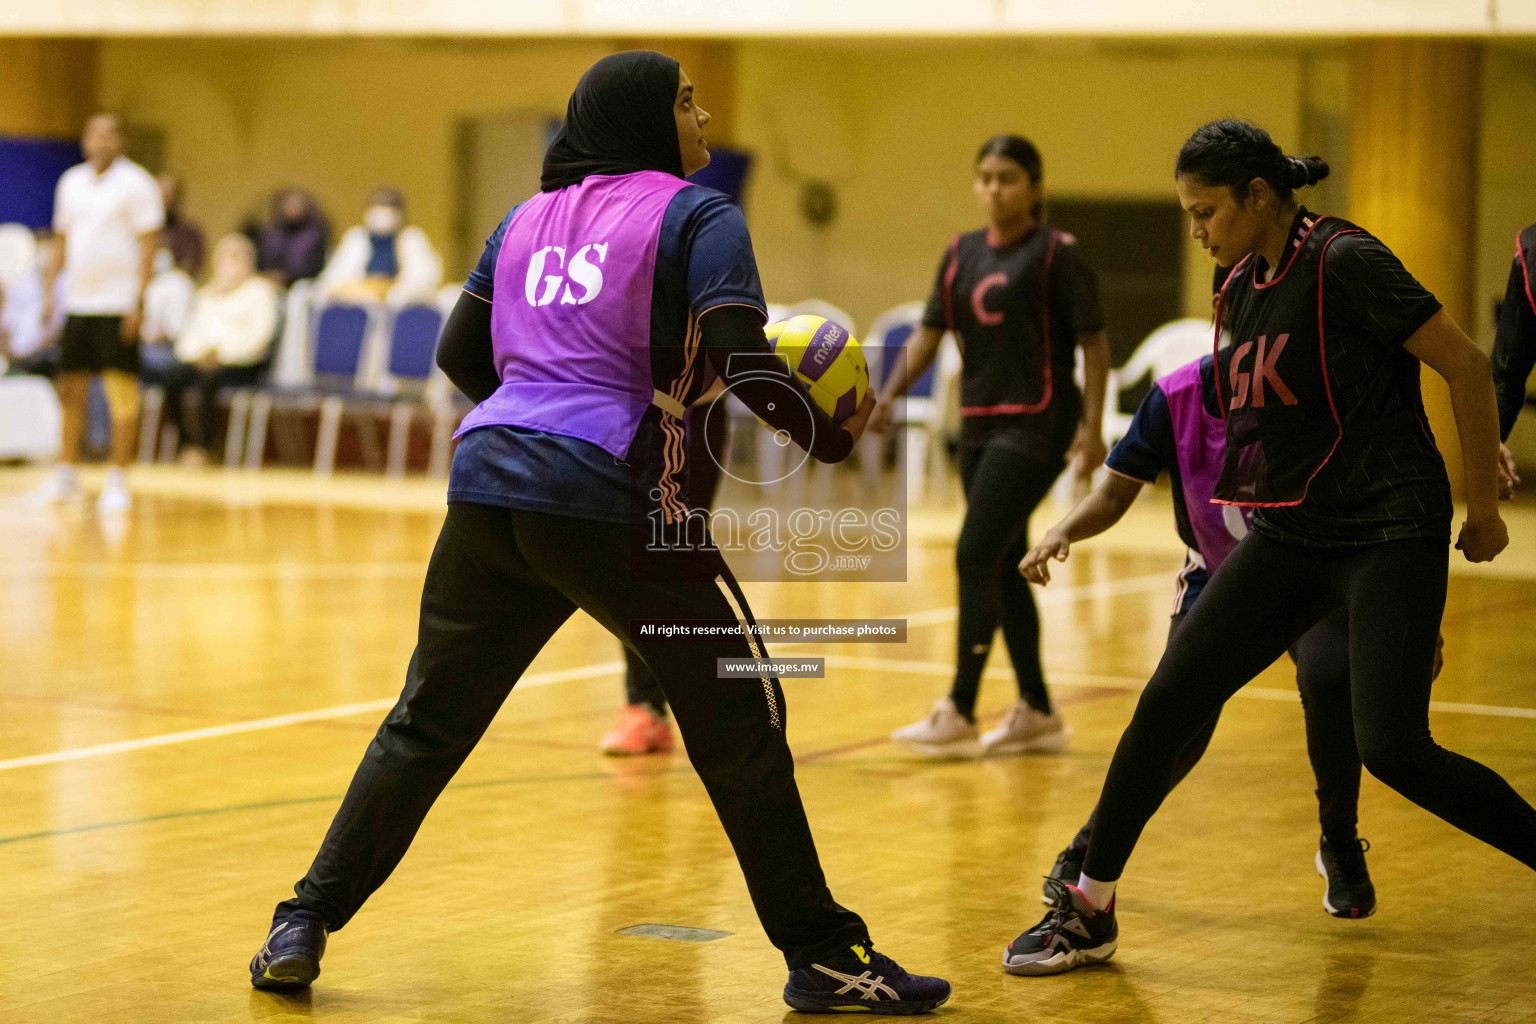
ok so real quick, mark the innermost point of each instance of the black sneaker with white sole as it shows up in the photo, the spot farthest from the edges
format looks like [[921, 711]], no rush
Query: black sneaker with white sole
[[1067, 870], [858, 978], [1350, 892], [1072, 933], [290, 958]]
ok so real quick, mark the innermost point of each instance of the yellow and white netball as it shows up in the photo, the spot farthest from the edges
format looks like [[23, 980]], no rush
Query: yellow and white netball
[[827, 357]]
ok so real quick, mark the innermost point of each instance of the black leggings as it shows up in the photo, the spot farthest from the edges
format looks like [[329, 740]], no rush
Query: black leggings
[[1003, 487], [182, 377], [499, 584], [1264, 597], [706, 446], [1322, 676]]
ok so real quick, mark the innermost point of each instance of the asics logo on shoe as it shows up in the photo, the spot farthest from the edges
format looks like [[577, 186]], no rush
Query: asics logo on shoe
[[266, 947], [867, 987], [858, 951]]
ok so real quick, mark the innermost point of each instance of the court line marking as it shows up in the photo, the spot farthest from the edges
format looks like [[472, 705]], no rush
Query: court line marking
[[1130, 684], [933, 616], [278, 721]]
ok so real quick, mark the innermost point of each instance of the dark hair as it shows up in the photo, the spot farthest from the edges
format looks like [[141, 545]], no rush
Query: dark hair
[[1018, 149], [1233, 153], [1022, 152], [385, 195]]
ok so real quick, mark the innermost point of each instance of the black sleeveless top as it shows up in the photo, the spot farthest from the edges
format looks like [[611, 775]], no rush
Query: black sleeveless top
[[1326, 432], [1016, 311]]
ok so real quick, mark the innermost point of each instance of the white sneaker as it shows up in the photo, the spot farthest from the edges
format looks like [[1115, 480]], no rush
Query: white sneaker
[[115, 498], [62, 485], [944, 733], [1026, 730]]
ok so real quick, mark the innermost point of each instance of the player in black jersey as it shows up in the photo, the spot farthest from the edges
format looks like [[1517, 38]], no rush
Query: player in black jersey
[[1326, 438], [1514, 349], [1020, 300]]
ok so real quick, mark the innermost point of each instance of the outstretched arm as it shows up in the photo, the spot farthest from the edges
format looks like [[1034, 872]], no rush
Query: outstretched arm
[[1104, 506]]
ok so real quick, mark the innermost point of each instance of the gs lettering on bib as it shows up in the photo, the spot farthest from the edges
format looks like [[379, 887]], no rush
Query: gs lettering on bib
[[1272, 383], [571, 314]]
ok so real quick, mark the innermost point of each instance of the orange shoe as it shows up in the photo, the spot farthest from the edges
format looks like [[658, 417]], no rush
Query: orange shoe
[[640, 731]]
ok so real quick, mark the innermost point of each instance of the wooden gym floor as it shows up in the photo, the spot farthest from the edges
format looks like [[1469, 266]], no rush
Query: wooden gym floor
[[185, 693]]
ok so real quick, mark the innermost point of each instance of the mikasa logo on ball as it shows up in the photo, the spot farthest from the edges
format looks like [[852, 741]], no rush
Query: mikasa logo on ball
[[583, 273]]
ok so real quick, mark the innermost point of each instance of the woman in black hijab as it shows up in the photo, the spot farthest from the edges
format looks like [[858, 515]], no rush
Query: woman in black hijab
[[560, 468]]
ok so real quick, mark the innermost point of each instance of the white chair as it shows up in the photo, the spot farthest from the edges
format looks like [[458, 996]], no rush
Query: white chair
[[923, 413], [30, 419], [18, 252], [1160, 353], [1164, 350]]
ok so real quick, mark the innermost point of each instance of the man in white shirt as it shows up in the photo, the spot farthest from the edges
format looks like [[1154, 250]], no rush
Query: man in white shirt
[[107, 217]]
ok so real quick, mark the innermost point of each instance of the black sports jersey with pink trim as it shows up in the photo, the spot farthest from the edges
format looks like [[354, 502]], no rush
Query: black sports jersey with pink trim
[[1326, 430], [1016, 311], [1514, 346]]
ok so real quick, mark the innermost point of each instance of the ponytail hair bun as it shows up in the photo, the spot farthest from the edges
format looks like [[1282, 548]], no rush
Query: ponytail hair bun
[[1305, 170], [1232, 153]]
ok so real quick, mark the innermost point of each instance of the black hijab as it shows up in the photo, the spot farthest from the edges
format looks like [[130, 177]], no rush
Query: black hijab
[[619, 121]]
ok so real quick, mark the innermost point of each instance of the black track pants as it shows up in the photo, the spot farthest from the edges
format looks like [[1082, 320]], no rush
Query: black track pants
[[499, 584], [707, 437]]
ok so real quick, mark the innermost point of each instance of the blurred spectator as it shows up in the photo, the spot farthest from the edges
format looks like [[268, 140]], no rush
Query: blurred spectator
[[27, 341], [384, 258], [107, 215], [183, 237], [226, 341], [291, 245], [166, 303]]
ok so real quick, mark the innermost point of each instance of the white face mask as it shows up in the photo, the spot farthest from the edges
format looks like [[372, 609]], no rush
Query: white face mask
[[382, 220], [164, 261]]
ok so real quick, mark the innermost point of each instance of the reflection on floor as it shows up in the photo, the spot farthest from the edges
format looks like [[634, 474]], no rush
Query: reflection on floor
[[187, 689]]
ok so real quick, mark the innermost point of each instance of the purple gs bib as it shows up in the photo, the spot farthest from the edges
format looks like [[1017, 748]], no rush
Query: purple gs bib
[[1200, 440], [571, 319]]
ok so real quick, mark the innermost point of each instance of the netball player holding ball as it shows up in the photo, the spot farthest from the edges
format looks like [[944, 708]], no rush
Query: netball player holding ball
[[584, 336], [1021, 301], [1327, 441]]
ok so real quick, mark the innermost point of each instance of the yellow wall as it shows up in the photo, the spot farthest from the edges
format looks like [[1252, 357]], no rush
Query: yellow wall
[[243, 118], [893, 125]]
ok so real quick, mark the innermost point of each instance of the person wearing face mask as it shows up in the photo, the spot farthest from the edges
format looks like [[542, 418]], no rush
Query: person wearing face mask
[[1327, 441], [384, 259], [591, 322], [291, 245], [227, 337], [1021, 301]]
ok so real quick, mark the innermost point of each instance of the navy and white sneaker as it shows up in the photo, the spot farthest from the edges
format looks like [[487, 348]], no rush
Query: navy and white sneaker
[[861, 979], [1067, 870], [1072, 933], [1349, 892], [290, 958]]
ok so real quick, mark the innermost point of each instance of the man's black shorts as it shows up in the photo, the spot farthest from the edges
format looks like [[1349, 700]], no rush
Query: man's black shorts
[[91, 344]]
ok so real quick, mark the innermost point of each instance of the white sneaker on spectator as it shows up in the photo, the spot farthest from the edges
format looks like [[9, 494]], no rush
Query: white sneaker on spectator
[[62, 485], [115, 498], [1026, 730], [944, 733]]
